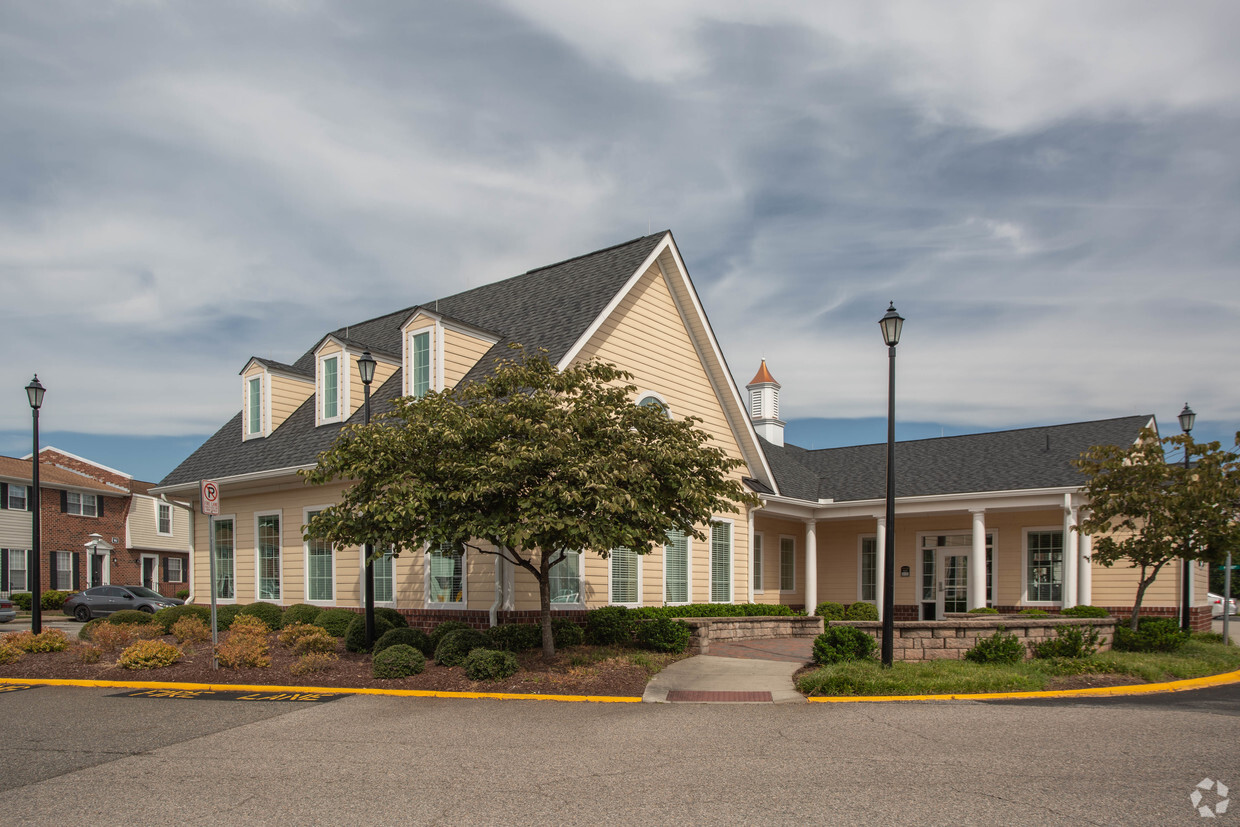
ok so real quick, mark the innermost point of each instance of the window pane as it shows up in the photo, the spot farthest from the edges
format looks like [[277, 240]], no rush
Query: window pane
[[165, 519], [1044, 576], [421, 364], [447, 574], [869, 568], [927, 573], [224, 576], [721, 562], [64, 570], [757, 562], [269, 557], [88, 505], [17, 497], [255, 403], [331, 388], [321, 566], [623, 576], [17, 570], [787, 564], [383, 578], [676, 568], [566, 579]]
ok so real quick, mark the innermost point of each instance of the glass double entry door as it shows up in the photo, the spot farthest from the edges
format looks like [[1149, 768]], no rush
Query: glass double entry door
[[945, 573]]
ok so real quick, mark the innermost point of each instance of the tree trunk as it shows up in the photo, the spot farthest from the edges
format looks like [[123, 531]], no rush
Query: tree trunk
[[1142, 585], [544, 603]]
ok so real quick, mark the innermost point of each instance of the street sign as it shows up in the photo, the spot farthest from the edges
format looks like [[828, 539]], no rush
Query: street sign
[[210, 497]]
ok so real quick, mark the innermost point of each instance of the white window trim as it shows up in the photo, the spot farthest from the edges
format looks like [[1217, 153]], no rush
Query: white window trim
[[282, 599], [463, 603], [642, 395], [171, 524], [155, 578], [26, 500], [264, 414], [793, 589], [861, 538], [688, 573], [211, 551], [181, 562], [342, 388], [1024, 565], [638, 558], [758, 565], [25, 558], [731, 561], [434, 348], [581, 585], [78, 513], [305, 559]]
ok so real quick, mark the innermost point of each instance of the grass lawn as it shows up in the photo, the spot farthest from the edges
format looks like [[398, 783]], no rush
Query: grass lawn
[[1201, 656]]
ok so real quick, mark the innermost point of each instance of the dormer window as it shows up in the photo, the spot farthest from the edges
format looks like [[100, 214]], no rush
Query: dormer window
[[420, 364], [254, 406], [330, 399]]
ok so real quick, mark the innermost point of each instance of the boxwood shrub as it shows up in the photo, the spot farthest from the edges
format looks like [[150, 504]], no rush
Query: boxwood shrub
[[566, 632], [269, 613], [391, 616], [300, 613], [131, 616], [407, 637], [399, 661], [715, 610], [335, 621], [447, 626], [1034, 613], [22, 600], [454, 646], [53, 600], [355, 634], [663, 634], [169, 616], [225, 615], [1154, 634], [1001, 647], [610, 625], [984, 610], [515, 637], [861, 611], [829, 611], [490, 665], [843, 643], [1085, 611]]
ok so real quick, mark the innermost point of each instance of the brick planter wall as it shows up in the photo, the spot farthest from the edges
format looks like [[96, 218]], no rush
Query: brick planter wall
[[707, 629], [934, 639]]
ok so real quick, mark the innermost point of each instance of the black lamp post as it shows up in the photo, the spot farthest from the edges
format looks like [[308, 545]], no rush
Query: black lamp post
[[366, 367], [1187, 418], [34, 392], [891, 324]]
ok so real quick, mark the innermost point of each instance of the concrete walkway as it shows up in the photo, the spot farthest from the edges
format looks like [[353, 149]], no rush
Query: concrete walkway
[[751, 671]]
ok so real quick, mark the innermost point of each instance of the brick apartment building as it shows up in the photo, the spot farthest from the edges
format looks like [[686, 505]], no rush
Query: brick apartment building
[[98, 526]]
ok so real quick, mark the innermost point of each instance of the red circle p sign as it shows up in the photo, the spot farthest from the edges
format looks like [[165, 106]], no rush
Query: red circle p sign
[[210, 497]]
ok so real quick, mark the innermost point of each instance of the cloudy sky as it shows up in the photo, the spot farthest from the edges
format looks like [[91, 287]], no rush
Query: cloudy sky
[[1049, 192]]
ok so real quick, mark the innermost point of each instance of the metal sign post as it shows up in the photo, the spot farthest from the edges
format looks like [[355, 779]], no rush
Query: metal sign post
[[211, 507], [1227, 599]]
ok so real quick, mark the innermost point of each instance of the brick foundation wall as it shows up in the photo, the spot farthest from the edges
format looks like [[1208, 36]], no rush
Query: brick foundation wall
[[938, 639]]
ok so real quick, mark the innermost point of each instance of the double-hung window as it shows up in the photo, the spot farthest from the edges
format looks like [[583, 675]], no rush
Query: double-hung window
[[84, 505], [720, 562], [757, 562], [787, 564], [62, 574], [383, 578], [446, 570], [676, 568], [19, 560], [624, 582], [174, 570], [320, 568], [17, 497], [1044, 569], [223, 547], [566, 578], [254, 406], [420, 364], [868, 587], [331, 388], [268, 533], [163, 517]]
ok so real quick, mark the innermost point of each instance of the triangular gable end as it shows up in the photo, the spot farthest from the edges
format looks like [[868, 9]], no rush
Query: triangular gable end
[[666, 260]]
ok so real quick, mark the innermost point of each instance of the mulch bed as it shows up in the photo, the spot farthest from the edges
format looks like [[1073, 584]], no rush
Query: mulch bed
[[597, 672]]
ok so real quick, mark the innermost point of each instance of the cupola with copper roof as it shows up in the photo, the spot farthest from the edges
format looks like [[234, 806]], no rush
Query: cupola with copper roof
[[764, 406]]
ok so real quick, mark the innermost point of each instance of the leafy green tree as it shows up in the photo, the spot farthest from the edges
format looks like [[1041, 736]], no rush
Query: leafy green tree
[[1149, 512], [535, 461]]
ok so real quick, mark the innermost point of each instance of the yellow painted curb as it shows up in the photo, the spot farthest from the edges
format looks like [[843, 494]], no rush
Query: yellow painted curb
[[1096, 692], [324, 690]]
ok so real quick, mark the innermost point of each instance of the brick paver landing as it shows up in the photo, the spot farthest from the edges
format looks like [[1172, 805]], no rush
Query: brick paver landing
[[708, 696]]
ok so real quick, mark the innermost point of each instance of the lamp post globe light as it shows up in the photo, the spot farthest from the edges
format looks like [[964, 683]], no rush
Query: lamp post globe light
[[34, 394], [1187, 420], [366, 367], [892, 324]]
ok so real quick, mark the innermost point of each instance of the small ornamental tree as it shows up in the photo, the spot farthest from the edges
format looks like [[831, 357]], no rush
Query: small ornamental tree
[[1149, 512], [536, 461]]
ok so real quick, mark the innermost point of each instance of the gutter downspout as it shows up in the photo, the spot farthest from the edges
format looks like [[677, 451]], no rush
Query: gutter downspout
[[499, 589]]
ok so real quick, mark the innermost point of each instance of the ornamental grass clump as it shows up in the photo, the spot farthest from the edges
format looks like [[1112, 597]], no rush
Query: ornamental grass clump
[[490, 665], [843, 643], [149, 654], [399, 661], [191, 629], [1001, 647]]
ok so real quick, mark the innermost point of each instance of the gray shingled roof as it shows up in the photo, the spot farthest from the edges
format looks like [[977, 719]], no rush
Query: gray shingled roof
[[548, 307], [1028, 458]]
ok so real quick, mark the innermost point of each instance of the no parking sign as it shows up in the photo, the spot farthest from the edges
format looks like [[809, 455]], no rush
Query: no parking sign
[[210, 497]]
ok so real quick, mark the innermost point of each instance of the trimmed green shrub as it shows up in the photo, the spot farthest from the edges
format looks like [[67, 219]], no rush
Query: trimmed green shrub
[[664, 635], [843, 643], [1068, 642], [829, 611], [984, 610], [1034, 613], [715, 610], [149, 654], [392, 616], [130, 616], [88, 627], [454, 646], [22, 600], [490, 665], [447, 626], [53, 600], [515, 637], [566, 633], [399, 661], [168, 617], [225, 615], [335, 621], [1001, 647], [269, 613], [1154, 634], [182, 594], [609, 625], [1085, 611], [861, 611], [406, 637], [300, 613], [355, 635]]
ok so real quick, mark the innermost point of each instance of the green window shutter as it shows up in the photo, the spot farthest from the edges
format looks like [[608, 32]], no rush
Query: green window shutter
[[721, 562], [623, 576], [676, 568]]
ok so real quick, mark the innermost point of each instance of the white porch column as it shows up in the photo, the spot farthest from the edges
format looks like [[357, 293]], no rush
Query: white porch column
[[977, 562], [811, 568], [880, 564], [1084, 581], [1071, 553]]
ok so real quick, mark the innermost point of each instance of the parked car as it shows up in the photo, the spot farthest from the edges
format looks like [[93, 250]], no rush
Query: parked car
[[104, 600], [1216, 604], [7, 610]]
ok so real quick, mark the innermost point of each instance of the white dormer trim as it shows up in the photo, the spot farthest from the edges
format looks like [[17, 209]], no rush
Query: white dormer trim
[[264, 414], [342, 387]]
